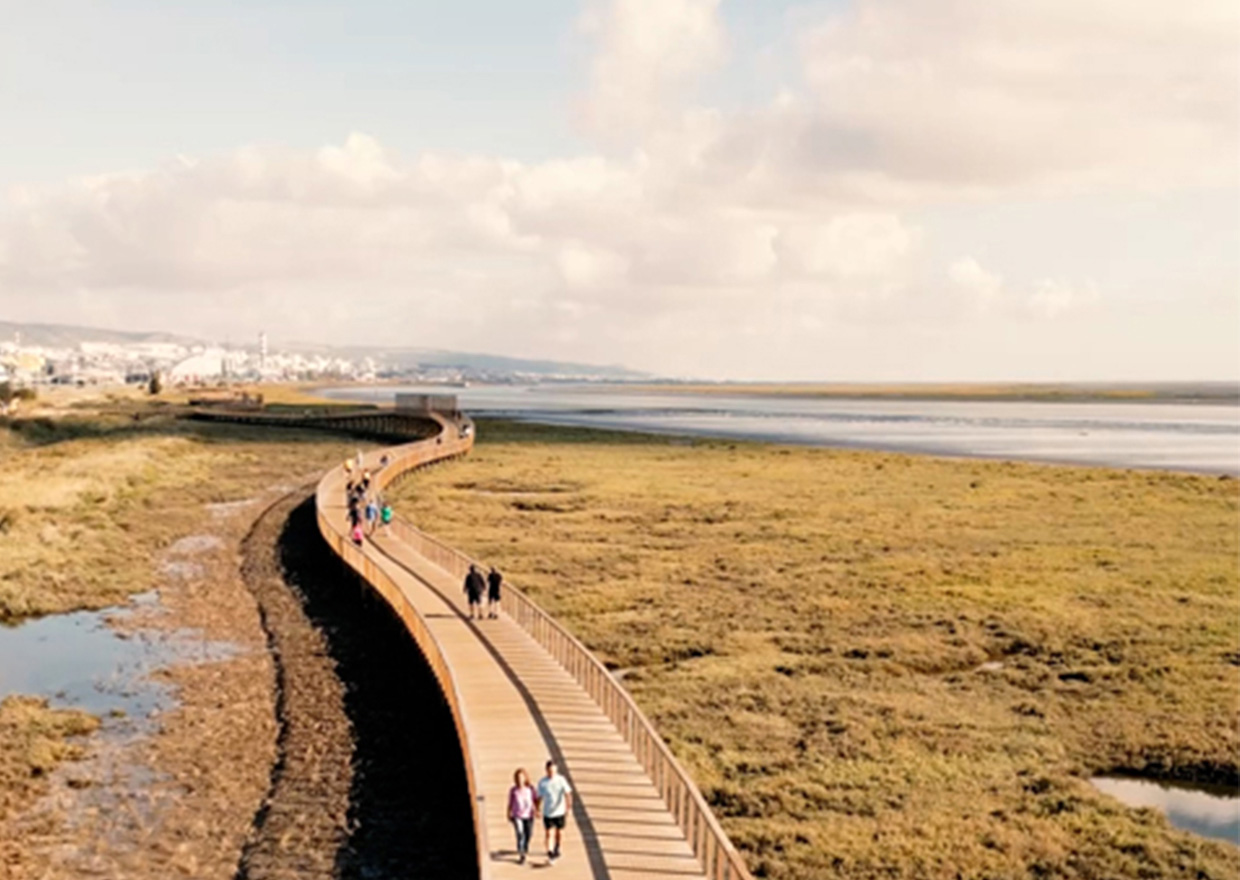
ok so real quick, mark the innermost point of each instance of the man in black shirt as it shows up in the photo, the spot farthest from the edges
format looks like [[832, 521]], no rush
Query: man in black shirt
[[474, 588]]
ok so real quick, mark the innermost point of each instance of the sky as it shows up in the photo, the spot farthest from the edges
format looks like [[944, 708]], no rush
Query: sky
[[841, 190]]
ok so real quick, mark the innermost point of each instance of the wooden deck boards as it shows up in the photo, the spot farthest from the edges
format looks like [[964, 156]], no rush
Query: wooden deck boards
[[520, 708]]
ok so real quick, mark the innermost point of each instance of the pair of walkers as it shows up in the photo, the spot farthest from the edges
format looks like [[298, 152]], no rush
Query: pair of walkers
[[475, 586], [553, 798]]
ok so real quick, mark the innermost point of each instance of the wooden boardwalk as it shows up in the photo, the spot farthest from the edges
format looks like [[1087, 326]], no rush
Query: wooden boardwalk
[[517, 706]]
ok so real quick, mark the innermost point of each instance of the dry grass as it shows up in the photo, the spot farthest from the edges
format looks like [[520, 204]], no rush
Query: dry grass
[[279, 395], [806, 627], [89, 501], [33, 742]]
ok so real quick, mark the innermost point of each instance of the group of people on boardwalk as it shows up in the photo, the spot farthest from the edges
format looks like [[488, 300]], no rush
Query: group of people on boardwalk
[[476, 587], [366, 505], [552, 797]]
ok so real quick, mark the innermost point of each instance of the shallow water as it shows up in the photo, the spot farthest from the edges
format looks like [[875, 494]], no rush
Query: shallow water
[[78, 660], [1179, 436], [1208, 810]]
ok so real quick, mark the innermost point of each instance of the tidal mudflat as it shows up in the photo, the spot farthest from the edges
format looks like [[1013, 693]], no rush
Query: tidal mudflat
[[883, 665], [135, 742]]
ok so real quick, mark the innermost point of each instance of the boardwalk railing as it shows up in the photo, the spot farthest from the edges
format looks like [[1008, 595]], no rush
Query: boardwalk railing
[[449, 443], [711, 845]]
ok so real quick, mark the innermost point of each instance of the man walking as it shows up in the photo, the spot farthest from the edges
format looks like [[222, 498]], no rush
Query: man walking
[[475, 586], [555, 796]]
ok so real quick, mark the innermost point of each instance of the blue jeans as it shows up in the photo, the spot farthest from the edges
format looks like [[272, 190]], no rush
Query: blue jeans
[[524, 828]]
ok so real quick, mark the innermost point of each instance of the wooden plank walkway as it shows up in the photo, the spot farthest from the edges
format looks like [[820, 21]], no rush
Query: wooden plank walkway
[[521, 707]]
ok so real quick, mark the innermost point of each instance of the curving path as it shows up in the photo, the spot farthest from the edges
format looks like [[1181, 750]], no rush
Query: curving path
[[522, 689]]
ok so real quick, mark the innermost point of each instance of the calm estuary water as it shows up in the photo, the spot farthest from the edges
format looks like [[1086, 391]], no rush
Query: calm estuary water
[[1191, 437]]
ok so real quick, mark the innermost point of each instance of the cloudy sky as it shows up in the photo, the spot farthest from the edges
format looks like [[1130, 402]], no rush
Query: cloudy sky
[[841, 189]]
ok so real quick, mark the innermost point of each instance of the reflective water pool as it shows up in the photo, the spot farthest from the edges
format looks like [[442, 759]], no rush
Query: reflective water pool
[[1211, 811], [78, 660]]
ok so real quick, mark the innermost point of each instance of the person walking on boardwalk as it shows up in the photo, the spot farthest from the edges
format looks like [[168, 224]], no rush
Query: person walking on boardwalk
[[521, 798], [385, 516], [474, 588], [355, 512], [372, 516], [495, 582], [555, 796]]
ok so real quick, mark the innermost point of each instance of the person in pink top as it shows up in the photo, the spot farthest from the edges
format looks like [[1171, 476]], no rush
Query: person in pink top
[[521, 811]]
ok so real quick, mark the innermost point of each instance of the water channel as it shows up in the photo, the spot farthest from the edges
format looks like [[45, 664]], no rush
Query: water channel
[[1196, 437]]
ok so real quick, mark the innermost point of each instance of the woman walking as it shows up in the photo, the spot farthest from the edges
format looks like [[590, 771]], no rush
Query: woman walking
[[521, 811], [495, 582]]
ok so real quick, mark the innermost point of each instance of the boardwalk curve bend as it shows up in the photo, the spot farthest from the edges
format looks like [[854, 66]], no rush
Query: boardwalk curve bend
[[522, 688]]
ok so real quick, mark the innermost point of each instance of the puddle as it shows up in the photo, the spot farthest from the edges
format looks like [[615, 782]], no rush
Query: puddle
[[225, 509], [181, 570], [77, 660], [192, 544], [990, 666], [1208, 810]]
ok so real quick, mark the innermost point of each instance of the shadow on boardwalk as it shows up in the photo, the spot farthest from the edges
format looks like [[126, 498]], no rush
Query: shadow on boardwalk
[[408, 806]]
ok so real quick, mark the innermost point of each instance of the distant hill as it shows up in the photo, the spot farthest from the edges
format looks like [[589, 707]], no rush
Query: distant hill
[[489, 363], [69, 335]]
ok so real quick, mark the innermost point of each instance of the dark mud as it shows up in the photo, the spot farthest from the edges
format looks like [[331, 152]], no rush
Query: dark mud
[[369, 780]]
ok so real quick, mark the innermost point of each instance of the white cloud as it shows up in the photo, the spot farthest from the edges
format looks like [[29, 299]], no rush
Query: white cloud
[[854, 246], [1049, 298], [970, 278], [651, 54], [781, 223], [1028, 93], [1052, 298]]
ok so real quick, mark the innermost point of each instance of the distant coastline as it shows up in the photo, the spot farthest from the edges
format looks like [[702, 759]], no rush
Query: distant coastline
[[1031, 392]]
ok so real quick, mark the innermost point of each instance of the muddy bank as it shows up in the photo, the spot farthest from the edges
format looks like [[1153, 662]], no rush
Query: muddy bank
[[317, 745], [302, 821], [368, 779]]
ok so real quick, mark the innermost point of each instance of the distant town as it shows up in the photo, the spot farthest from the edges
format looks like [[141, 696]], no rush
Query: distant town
[[33, 359]]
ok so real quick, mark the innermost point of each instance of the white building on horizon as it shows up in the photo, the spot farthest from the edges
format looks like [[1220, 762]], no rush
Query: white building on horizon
[[206, 366]]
